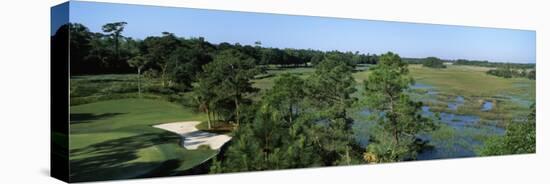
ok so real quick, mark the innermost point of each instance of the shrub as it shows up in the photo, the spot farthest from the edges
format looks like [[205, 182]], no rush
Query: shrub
[[433, 62]]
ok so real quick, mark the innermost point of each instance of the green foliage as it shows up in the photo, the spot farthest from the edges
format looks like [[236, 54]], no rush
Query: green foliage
[[137, 62], [158, 50], [433, 62], [99, 53], [286, 96], [80, 44], [303, 119], [508, 72], [505, 72], [287, 131], [532, 75], [115, 29], [520, 138], [269, 143], [231, 71], [176, 60], [94, 88], [187, 60], [383, 149], [206, 96], [93, 53], [330, 90], [494, 64], [331, 86], [397, 115]]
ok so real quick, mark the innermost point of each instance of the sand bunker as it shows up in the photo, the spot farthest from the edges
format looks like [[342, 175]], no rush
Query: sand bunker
[[192, 137]]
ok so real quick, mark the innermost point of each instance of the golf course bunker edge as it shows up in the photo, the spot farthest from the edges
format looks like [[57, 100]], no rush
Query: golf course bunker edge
[[192, 138]]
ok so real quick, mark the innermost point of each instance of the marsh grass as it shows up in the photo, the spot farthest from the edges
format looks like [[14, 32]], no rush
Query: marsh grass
[[510, 100], [475, 87]]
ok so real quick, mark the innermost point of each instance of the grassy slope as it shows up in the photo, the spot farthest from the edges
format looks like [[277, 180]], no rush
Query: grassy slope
[[114, 140]]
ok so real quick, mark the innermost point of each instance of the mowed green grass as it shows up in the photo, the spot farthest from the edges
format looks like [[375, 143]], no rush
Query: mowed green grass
[[266, 81], [114, 139]]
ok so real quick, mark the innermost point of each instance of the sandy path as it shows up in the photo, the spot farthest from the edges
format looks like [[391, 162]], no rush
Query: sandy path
[[193, 137]]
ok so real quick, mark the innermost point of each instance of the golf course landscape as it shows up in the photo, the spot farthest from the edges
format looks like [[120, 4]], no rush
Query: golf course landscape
[[145, 102], [115, 138]]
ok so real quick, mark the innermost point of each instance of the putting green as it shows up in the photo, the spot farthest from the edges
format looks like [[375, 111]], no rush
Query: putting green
[[115, 140]]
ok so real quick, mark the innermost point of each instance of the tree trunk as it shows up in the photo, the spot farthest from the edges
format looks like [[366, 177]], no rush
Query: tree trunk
[[348, 159], [163, 77], [290, 113], [214, 115], [393, 121], [208, 116], [139, 82], [116, 47], [395, 134], [237, 110], [265, 147]]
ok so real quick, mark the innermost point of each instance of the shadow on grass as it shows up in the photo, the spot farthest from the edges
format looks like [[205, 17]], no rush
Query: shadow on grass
[[108, 160], [78, 118], [105, 80]]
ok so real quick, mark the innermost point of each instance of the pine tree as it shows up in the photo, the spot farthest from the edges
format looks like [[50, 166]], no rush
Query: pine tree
[[330, 90], [398, 117]]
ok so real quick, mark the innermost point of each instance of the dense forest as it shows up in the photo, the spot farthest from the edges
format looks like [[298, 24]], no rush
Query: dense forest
[[108, 51]]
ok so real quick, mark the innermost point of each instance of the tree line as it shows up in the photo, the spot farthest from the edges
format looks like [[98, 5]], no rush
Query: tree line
[[508, 71], [433, 62], [172, 59], [494, 64]]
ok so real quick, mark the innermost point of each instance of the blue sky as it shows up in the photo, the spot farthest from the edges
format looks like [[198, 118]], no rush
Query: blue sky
[[284, 31]]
